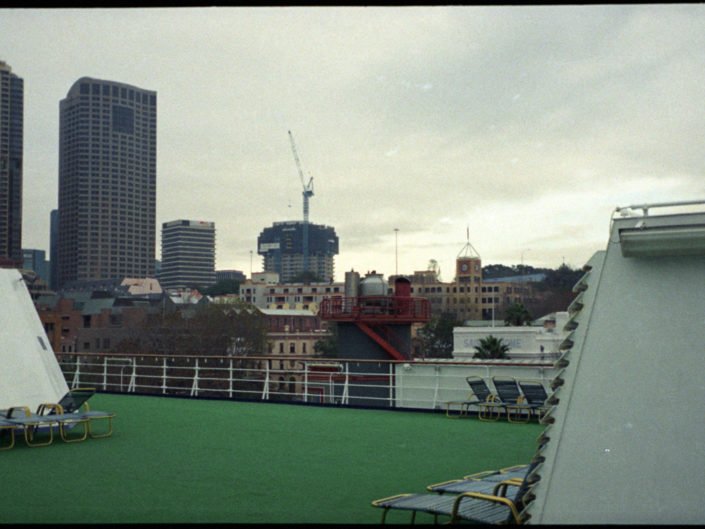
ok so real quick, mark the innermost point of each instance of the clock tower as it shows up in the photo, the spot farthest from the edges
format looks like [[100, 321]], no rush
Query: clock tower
[[468, 265], [468, 269]]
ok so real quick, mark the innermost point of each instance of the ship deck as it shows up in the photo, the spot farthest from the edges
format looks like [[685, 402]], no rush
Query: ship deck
[[182, 460]]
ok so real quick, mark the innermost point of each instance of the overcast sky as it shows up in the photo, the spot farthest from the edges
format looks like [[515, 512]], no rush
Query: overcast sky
[[522, 126]]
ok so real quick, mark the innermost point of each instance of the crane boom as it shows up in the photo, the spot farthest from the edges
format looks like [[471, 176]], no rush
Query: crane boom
[[307, 193], [308, 188]]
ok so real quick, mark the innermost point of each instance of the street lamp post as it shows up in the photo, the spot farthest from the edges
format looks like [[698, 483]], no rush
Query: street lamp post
[[396, 252]]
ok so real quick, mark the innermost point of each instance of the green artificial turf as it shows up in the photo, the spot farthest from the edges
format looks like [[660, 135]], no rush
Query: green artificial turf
[[175, 460]]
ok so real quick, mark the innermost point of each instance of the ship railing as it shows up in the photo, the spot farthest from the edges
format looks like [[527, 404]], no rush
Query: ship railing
[[416, 384], [377, 307]]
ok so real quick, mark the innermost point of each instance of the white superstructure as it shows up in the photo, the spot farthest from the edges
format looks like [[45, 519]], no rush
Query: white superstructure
[[625, 439], [29, 372]]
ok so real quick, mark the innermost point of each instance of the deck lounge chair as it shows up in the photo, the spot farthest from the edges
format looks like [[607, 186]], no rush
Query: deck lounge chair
[[468, 483], [7, 434], [75, 398], [535, 397], [71, 411], [488, 501], [511, 399], [76, 402], [48, 417], [484, 399]]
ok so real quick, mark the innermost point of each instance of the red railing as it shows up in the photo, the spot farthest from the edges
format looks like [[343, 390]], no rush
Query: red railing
[[399, 309]]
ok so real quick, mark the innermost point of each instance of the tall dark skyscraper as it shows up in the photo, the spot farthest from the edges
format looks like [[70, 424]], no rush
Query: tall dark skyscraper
[[53, 247], [11, 133], [107, 181]]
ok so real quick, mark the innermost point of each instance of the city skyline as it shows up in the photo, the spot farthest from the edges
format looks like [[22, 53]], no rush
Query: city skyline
[[522, 126]]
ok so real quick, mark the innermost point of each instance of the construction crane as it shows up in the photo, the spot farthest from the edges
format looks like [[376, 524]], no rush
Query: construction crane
[[307, 193]]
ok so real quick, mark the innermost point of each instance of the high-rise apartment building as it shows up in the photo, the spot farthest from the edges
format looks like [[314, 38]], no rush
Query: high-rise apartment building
[[282, 247], [188, 254], [107, 181], [36, 260], [11, 134], [53, 247]]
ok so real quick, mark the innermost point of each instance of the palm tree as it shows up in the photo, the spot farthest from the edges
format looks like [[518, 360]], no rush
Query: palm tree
[[517, 315], [491, 347]]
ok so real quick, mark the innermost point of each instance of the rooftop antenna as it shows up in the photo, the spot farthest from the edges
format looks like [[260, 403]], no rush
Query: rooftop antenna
[[468, 250]]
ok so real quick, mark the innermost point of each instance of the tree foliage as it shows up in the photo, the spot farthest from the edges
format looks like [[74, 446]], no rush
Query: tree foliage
[[211, 329], [491, 347], [563, 278], [494, 271], [436, 336], [517, 315], [327, 347], [555, 289]]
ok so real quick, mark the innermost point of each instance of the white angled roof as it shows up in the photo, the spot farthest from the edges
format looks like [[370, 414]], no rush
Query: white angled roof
[[627, 441], [29, 372]]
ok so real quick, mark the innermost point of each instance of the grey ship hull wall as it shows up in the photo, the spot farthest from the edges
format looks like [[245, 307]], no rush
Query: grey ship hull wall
[[370, 382]]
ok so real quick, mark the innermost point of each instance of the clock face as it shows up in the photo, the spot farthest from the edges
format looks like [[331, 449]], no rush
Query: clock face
[[464, 267]]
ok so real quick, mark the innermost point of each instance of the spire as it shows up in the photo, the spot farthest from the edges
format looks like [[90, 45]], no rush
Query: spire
[[468, 252]]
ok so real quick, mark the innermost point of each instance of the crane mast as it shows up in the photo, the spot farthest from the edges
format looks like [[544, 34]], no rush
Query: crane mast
[[307, 193]]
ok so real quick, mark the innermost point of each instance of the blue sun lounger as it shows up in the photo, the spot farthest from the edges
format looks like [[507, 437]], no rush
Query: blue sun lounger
[[469, 483], [511, 399], [535, 397], [488, 501], [483, 399], [71, 411]]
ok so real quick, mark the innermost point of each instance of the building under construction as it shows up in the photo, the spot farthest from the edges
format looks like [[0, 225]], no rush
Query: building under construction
[[282, 249]]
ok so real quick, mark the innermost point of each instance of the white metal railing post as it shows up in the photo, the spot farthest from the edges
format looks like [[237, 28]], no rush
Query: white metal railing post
[[400, 378], [344, 399], [305, 381], [435, 389], [164, 376], [133, 377], [76, 382], [391, 384], [230, 380], [105, 373], [194, 387], [265, 389]]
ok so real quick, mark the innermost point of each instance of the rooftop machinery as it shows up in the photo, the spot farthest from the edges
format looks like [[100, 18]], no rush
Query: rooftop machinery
[[307, 193]]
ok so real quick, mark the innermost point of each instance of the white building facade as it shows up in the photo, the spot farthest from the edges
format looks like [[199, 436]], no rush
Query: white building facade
[[539, 342]]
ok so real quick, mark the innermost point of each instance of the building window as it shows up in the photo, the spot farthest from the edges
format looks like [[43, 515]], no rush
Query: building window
[[292, 347], [123, 119]]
